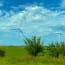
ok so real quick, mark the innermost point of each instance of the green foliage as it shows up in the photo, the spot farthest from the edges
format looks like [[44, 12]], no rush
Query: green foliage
[[54, 49], [2, 53], [62, 48], [33, 45], [57, 49], [17, 55]]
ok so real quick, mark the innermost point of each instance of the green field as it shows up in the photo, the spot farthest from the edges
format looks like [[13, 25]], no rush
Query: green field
[[17, 55]]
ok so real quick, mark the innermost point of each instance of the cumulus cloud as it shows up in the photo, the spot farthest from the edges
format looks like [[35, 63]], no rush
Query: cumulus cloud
[[33, 19]]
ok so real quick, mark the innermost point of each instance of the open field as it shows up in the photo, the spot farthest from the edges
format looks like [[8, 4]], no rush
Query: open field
[[19, 56]]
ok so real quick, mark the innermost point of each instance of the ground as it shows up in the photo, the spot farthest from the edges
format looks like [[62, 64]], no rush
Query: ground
[[17, 55]]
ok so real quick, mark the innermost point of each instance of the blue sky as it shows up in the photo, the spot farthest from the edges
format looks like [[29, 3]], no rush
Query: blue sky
[[43, 18]]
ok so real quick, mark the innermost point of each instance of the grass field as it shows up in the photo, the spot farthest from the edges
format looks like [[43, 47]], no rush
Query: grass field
[[15, 55]]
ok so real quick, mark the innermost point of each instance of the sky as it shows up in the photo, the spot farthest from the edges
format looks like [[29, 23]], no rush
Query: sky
[[45, 18]]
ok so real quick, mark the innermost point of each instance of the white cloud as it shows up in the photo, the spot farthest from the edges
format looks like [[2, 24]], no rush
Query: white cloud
[[33, 19]]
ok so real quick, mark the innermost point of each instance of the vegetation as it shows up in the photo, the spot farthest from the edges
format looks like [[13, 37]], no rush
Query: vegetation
[[18, 55], [2, 53], [62, 48], [57, 49], [53, 54], [34, 45], [54, 49]]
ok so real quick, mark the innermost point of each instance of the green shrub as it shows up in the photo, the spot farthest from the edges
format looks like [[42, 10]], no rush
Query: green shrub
[[34, 45], [54, 49], [62, 48], [2, 53]]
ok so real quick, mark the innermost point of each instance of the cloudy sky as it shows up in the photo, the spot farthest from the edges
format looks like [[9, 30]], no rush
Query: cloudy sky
[[45, 18]]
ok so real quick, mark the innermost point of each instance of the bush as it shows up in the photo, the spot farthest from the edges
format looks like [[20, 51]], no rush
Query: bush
[[54, 49], [62, 48], [34, 45], [2, 53]]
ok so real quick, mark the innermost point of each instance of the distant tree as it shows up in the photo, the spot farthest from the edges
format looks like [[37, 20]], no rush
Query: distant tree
[[34, 45]]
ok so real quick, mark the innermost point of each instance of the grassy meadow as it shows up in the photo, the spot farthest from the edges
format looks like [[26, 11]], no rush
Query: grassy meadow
[[17, 55]]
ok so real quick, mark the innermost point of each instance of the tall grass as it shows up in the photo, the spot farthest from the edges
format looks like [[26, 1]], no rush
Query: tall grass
[[34, 45], [57, 49]]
